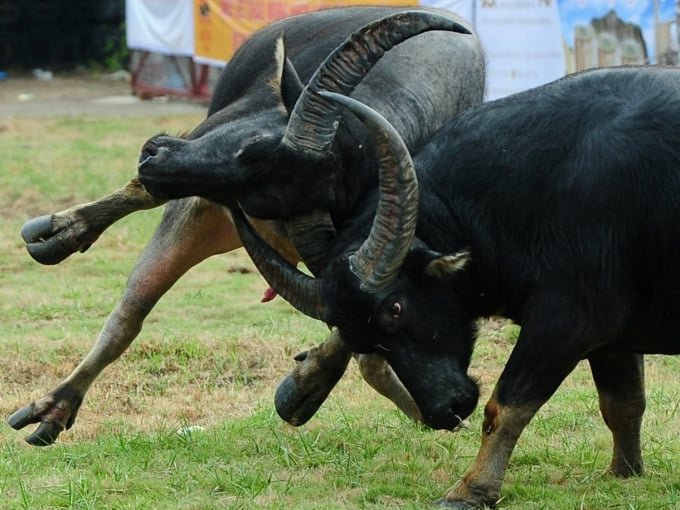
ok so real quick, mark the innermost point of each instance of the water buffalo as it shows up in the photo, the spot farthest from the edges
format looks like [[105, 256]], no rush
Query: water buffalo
[[558, 208], [418, 85]]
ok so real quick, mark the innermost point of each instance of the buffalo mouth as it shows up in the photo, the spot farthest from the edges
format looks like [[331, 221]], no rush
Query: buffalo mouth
[[444, 394], [449, 416]]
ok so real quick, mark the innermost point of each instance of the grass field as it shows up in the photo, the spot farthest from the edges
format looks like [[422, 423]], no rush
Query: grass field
[[210, 356]]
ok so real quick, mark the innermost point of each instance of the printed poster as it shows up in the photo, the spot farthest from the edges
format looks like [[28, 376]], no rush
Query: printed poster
[[527, 42], [531, 42], [221, 26]]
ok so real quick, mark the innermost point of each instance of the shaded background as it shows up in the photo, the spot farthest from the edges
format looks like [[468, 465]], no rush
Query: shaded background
[[62, 34]]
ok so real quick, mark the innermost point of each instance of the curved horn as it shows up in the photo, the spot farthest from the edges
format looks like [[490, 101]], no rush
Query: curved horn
[[313, 122], [378, 261], [312, 235], [300, 290]]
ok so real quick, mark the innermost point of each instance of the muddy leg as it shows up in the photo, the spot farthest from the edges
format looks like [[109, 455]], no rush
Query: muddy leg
[[620, 381], [190, 231]]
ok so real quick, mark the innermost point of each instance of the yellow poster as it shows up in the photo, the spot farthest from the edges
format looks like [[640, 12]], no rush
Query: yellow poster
[[221, 26]]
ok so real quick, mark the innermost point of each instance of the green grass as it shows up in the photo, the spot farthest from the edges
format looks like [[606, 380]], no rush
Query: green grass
[[210, 355]]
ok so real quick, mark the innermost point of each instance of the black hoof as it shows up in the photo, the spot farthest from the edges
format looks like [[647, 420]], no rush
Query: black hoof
[[300, 394], [45, 435], [37, 229], [22, 417], [294, 405], [43, 242]]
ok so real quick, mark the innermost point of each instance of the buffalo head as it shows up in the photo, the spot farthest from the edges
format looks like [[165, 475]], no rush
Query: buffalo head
[[389, 293], [286, 137]]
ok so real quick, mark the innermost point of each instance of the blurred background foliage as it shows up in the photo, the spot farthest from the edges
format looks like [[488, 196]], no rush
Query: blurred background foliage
[[62, 34]]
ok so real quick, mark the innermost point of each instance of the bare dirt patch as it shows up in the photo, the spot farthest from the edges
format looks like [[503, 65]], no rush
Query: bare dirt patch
[[26, 96]]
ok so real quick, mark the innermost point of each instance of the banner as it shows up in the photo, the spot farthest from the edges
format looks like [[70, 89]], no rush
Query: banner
[[531, 42], [160, 26], [527, 42], [220, 26], [522, 41]]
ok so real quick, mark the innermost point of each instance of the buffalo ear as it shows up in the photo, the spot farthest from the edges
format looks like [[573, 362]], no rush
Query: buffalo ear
[[446, 265], [434, 264], [287, 79]]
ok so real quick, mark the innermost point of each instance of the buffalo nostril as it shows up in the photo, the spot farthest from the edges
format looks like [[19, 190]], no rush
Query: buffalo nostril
[[144, 159], [150, 148], [149, 151]]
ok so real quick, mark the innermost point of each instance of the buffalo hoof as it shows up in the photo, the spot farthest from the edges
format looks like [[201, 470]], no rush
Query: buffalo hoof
[[47, 243], [46, 433], [300, 394], [54, 413]]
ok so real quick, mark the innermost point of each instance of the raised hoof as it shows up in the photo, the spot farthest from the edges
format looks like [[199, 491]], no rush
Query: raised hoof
[[43, 243], [37, 229], [296, 402], [24, 416], [300, 394], [46, 433]]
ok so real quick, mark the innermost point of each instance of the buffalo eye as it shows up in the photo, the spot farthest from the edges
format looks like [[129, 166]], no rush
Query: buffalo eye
[[391, 314], [395, 310]]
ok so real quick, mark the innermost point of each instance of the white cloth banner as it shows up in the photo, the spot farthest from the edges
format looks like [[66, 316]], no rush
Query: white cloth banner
[[522, 40], [523, 44], [160, 26]]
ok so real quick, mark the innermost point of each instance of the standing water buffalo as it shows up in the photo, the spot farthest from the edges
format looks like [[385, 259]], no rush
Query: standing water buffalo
[[418, 86], [558, 208]]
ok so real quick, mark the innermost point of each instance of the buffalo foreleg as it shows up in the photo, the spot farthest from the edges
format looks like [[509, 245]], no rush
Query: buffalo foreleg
[[546, 352], [53, 237], [191, 231], [300, 394], [620, 381], [480, 486]]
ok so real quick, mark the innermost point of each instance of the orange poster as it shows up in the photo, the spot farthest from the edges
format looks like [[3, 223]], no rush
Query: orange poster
[[222, 25]]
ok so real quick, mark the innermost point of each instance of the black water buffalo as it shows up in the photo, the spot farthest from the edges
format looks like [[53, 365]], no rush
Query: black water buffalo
[[418, 85], [558, 208]]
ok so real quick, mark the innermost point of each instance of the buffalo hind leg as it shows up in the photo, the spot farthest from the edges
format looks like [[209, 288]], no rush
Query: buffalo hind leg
[[620, 381], [191, 230]]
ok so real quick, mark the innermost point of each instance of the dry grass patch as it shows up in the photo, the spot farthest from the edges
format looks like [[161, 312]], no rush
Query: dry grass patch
[[211, 355]]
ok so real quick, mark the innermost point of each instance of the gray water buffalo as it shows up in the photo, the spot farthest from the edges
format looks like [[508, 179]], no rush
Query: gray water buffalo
[[419, 85], [558, 208]]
